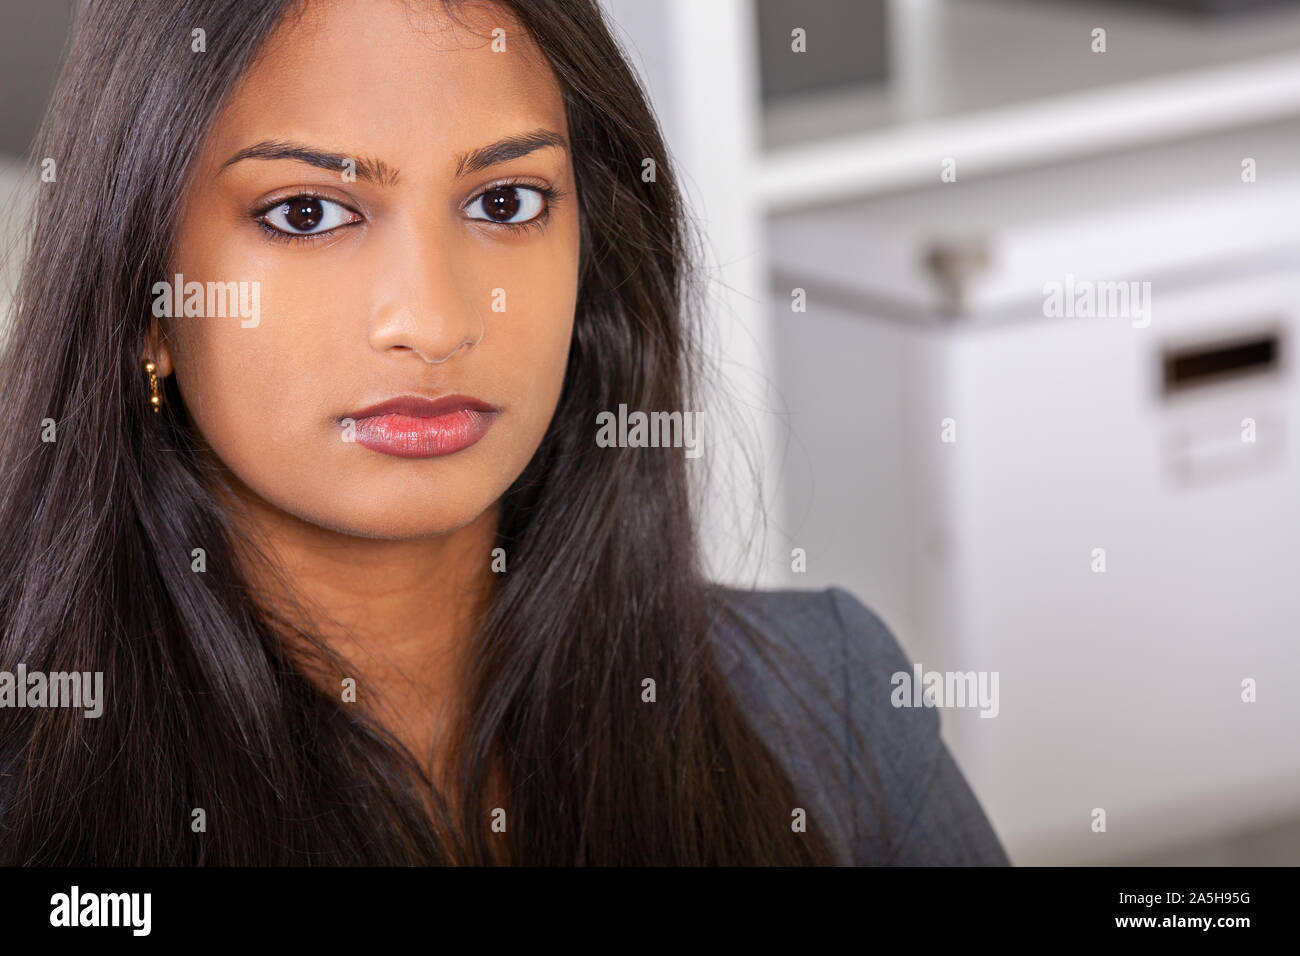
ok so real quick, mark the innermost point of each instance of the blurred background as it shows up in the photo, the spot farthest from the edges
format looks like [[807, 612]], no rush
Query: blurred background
[[1096, 500]]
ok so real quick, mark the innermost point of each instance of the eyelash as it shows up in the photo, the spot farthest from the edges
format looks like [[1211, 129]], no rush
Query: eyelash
[[548, 193]]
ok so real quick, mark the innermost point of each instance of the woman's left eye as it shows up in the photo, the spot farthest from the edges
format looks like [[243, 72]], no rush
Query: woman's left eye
[[508, 204], [308, 215]]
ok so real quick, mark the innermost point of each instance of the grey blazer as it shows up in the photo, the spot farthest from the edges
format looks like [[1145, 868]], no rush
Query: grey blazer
[[820, 699]]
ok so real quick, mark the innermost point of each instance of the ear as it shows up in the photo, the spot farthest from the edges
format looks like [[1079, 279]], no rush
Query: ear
[[155, 347]]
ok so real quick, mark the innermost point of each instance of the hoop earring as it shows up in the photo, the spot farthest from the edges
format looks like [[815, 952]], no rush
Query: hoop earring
[[155, 397]]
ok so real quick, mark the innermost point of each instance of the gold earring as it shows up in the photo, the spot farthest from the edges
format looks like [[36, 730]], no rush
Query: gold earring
[[155, 397]]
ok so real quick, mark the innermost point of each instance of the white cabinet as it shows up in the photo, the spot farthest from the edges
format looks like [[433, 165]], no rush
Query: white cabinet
[[1169, 441]]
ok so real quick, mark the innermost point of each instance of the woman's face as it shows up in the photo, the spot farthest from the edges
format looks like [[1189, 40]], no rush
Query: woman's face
[[380, 179]]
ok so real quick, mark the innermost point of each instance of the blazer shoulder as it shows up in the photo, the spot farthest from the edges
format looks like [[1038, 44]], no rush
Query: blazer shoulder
[[815, 670], [835, 649]]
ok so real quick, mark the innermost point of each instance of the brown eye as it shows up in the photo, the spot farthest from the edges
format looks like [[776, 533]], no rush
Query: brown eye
[[304, 214], [501, 203], [307, 216], [508, 204]]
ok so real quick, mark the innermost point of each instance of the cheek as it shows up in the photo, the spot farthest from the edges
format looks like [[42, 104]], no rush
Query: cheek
[[259, 394], [251, 392], [533, 336]]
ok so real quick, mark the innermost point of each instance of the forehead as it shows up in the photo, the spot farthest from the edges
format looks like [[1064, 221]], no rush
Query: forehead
[[393, 76]]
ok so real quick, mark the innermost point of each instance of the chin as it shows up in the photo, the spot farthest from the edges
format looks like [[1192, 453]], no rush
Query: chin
[[395, 523]]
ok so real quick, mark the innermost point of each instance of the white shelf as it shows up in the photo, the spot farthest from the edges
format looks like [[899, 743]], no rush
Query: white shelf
[[999, 84], [1141, 213]]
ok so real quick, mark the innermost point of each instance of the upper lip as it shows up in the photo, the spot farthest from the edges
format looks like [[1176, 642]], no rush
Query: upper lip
[[417, 406]]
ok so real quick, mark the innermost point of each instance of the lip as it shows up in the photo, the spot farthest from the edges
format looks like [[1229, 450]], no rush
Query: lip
[[411, 426]]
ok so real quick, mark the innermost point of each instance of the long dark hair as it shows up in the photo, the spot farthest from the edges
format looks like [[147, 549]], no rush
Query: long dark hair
[[203, 708]]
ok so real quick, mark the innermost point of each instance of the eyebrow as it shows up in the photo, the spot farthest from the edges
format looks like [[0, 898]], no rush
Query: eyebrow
[[379, 172]]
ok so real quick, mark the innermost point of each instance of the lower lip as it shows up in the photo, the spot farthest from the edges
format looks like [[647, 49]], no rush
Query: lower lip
[[406, 436]]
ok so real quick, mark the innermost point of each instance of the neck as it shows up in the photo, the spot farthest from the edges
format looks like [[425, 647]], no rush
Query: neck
[[399, 615]]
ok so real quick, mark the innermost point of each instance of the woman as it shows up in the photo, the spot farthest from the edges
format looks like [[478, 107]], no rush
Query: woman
[[322, 305]]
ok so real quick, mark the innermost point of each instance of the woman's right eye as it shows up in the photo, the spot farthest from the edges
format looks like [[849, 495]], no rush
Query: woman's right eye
[[307, 216]]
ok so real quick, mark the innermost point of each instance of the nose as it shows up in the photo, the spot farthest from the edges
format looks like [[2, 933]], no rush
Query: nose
[[421, 306]]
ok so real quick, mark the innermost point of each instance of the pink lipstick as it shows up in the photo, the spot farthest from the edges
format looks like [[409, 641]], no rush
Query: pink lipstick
[[413, 427]]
